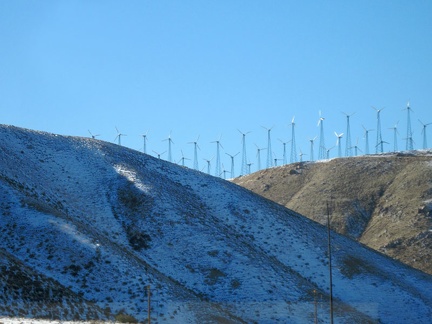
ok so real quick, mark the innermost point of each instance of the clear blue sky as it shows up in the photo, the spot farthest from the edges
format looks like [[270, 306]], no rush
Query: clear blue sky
[[209, 68]]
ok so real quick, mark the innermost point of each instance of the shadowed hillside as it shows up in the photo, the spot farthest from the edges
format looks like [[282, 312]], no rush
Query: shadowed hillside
[[383, 201], [86, 226]]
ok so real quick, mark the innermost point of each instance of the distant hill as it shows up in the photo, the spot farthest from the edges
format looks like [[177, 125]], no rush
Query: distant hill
[[87, 226], [383, 201]]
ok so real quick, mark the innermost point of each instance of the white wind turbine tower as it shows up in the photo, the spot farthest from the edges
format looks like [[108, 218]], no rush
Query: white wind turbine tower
[[367, 139], [183, 158], [275, 159], [410, 142], [284, 160], [395, 134], [249, 167], [196, 147], [293, 157], [348, 146], [144, 143], [208, 165], [425, 146], [159, 154], [356, 148], [379, 141], [119, 135], [381, 144], [244, 168], [170, 142], [93, 136], [328, 152], [269, 149], [301, 155], [338, 143], [224, 172], [259, 156], [311, 140], [218, 161], [322, 147], [232, 163]]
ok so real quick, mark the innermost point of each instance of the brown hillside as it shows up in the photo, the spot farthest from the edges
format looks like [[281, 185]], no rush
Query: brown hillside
[[383, 201]]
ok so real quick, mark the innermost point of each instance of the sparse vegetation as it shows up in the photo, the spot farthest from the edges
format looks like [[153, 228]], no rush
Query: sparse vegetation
[[352, 266], [235, 283], [138, 239], [213, 275], [378, 200], [133, 200], [213, 253], [125, 318]]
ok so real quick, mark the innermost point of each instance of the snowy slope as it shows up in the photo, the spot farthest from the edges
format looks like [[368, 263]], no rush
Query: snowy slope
[[105, 221]]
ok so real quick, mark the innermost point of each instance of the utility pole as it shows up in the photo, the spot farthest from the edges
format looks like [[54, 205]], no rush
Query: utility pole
[[330, 264], [148, 305], [315, 308]]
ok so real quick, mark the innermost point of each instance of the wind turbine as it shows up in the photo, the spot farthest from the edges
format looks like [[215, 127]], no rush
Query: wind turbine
[[244, 167], [249, 167], [145, 143], [284, 160], [218, 162], [311, 140], [381, 144], [119, 135], [170, 142], [367, 139], [410, 142], [259, 156], [424, 134], [93, 136], [301, 156], [348, 135], [232, 162], [208, 165], [409, 139], [196, 147], [338, 143], [379, 141], [269, 149], [224, 172], [182, 160], [322, 147], [159, 154], [275, 159], [293, 157], [356, 148], [328, 152], [395, 134]]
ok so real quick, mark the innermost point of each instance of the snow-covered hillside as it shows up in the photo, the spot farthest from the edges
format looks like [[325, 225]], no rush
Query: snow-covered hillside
[[101, 222]]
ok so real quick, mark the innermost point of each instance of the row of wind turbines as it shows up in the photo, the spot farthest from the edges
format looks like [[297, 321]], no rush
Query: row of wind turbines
[[271, 161], [379, 144]]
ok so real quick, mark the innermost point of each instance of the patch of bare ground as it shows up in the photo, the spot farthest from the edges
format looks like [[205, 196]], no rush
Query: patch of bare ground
[[383, 201]]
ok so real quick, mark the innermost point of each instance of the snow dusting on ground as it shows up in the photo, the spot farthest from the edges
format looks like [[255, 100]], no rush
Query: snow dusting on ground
[[102, 223]]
